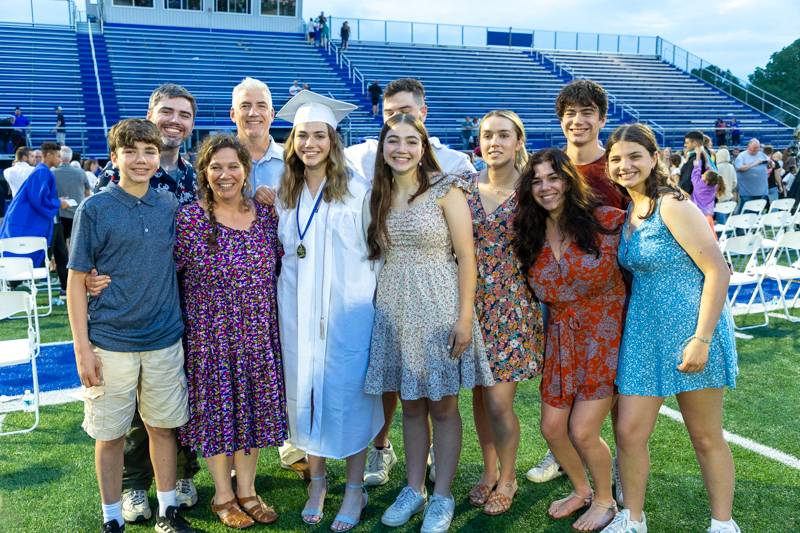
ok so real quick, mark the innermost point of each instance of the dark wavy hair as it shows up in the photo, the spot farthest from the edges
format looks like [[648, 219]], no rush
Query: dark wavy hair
[[381, 199], [210, 146], [577, 219], [657, 183]]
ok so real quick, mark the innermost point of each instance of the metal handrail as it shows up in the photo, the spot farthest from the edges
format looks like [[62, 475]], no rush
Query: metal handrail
[[703, 67]]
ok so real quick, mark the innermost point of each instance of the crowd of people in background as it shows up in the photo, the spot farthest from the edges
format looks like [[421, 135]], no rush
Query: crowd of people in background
[[322, 285]]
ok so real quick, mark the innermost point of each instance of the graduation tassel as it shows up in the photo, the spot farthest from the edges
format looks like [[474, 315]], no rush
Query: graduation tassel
[[322, 327]]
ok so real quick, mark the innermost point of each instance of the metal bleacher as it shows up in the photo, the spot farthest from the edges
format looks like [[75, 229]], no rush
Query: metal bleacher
[[39, 68], [675, 100], [462, 82], [210, 64]]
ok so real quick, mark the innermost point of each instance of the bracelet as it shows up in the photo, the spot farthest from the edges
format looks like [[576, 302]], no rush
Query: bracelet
[[701, 339]]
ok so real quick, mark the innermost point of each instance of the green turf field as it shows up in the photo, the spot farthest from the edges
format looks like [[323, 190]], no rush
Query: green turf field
[[47, 477]]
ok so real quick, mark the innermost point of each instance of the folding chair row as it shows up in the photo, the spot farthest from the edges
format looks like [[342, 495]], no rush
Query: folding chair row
[[22, 350]]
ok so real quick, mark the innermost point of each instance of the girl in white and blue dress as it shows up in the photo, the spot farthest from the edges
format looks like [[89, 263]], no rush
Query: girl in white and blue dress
[[678, 337]]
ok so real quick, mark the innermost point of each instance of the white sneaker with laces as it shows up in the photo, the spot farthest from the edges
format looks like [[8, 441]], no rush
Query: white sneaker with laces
[[135, 507], [547, 469], [379, 464], [438, 514], [408, 503], [622, 523], [185, 493], [617, 482], [732, 527]]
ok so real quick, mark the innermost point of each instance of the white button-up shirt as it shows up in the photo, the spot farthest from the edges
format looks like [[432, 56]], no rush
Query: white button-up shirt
[[16, 175]]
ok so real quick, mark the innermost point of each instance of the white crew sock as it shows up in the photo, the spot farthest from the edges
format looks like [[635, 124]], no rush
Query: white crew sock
[[113, 511], [719, 524], [166, 499]]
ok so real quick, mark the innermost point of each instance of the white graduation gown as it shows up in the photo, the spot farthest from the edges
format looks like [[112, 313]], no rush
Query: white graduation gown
[[325, 306]]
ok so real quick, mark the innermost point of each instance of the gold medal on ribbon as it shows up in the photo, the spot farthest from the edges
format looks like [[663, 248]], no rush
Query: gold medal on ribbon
[[301, 251]]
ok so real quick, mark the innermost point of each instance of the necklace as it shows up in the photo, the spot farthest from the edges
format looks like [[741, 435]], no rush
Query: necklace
[[301, 249]]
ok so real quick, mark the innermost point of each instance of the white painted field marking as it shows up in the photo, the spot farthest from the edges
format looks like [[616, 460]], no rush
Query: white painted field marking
[[753, 446]]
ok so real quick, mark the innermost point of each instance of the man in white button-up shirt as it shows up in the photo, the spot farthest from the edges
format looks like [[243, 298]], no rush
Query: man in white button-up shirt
[[405, 95], [17, 173]]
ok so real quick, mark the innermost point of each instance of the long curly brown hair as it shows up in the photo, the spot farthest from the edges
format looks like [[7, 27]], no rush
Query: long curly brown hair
[[210, 146], [577, 219], [657, 184], [383, 183]]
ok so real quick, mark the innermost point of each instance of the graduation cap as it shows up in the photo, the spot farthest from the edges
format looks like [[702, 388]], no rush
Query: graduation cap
[[308, 106]]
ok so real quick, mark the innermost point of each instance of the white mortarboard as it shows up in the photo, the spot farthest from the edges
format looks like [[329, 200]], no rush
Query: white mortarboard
[[308, 106]]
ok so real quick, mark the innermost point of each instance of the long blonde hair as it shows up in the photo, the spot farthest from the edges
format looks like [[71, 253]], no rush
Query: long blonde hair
[[521, 155], [293, 177]]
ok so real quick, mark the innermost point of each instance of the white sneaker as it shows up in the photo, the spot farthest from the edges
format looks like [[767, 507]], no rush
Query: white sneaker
[[379, 464], [733, 527], [408, 503], [185, 493], [431, 465], [438, 514], [547, 469], [622, 523], [617, 481], [135, 507]]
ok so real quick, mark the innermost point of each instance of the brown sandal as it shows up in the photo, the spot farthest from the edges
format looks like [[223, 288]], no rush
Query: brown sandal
[[479, 494], [498, 503], [259, 511], [231, 515]]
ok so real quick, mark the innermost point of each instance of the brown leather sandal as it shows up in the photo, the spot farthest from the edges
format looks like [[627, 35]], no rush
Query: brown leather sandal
[[258, 510], [479, 494], [231, 515], [499, 503]]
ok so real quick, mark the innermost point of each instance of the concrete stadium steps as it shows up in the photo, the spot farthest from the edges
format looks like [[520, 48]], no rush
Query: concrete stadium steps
[[210, 64], [40, 70], [669, 96]]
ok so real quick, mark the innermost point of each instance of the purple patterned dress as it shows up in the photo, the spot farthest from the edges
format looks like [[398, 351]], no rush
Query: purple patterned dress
[[233, 354]]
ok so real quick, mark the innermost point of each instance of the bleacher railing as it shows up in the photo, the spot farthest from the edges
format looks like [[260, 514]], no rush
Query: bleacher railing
[[781, 110], [406, 32]]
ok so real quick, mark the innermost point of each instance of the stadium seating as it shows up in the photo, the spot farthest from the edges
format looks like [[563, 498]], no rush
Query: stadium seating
[[668, 96], [40, 71], [210, 64], [47, 66], [462, 82]]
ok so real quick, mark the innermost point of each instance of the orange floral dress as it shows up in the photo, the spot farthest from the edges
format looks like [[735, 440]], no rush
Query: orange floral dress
[[585, 297], [510, 318]]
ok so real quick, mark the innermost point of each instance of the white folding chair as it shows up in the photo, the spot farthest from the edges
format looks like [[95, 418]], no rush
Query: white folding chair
[[784, 267], [742, 254], [754, 206], [784, 204], [23, 350], [29, 245], [723, 208], [745, 223], [771, 226]]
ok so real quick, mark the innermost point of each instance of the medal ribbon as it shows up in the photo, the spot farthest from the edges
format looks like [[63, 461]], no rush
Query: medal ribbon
[[302, 233]]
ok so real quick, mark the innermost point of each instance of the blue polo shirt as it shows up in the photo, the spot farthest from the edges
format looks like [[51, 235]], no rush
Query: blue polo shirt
[[131, 240]]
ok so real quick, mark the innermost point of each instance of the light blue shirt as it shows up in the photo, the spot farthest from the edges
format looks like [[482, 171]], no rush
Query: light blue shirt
[[269, 169]]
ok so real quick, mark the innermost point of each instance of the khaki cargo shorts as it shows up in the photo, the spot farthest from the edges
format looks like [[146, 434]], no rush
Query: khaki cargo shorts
[[155, 378]]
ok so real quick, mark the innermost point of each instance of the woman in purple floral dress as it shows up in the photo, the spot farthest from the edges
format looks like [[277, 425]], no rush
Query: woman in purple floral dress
[[227, 251]]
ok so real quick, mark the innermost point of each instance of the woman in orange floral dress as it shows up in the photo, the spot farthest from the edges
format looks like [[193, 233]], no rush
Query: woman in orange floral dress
[[568, 245], [510, 318]]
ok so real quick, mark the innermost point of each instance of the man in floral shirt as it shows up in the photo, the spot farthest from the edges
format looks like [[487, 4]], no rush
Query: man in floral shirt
[[172, 108]]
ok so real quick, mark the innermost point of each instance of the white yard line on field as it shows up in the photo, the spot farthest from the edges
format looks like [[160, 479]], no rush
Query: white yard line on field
[[753, 446]]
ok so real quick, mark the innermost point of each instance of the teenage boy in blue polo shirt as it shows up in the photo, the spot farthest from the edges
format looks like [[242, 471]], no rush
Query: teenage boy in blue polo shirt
[[128, 339]]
